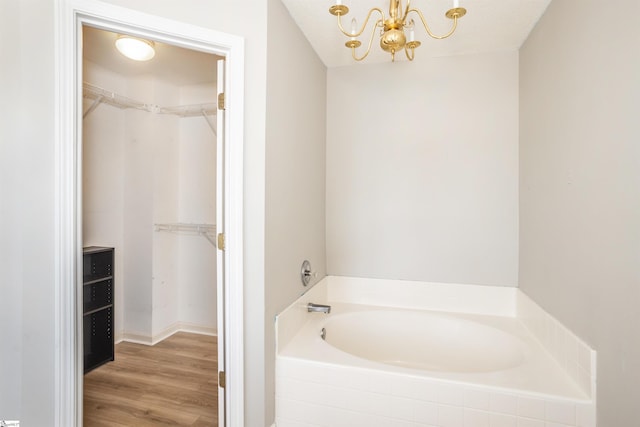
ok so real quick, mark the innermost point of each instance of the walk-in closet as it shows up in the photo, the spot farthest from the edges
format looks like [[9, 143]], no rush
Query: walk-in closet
[[149, 193]]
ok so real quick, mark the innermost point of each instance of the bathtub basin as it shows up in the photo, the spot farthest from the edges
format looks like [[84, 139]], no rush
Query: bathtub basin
[[484, 350], [424, 341]]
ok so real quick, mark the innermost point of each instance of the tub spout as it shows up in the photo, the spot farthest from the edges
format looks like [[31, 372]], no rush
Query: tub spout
[[318, 308]]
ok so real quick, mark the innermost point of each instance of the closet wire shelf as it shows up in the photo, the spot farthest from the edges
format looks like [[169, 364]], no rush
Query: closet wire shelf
[[208, 231], [104, 96]]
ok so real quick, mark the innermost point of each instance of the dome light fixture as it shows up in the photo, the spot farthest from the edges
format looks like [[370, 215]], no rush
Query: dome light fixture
[[135, 48]]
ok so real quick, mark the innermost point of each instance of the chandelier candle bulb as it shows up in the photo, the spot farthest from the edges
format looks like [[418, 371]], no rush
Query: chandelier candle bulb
[[456, 4], [338, 2]]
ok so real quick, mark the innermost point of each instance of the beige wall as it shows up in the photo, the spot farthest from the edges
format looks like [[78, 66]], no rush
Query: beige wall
[[295, 173], [422, 170], [580, 186]]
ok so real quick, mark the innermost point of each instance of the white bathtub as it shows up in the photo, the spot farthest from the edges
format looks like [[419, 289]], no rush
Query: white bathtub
[[423, 340], [389, 362]]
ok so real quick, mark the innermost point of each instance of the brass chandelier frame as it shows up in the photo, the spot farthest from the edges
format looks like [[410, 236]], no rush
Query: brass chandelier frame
[[392, 35]]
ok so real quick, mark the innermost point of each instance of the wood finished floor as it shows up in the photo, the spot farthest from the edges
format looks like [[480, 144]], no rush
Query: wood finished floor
[[173, 383]]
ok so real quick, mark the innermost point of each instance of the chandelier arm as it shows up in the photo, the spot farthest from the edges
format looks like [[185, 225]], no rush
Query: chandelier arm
[[373, 33], [406, 11], [375, 9], [426, 27], [413, 53]]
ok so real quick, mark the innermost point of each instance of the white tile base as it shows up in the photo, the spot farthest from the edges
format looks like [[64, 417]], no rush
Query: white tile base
[[319, 395]]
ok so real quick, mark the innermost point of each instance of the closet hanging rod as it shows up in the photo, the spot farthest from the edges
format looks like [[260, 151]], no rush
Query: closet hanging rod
[[194, 110], [184, 226], [208, 231], [109, 97], [101, 95]]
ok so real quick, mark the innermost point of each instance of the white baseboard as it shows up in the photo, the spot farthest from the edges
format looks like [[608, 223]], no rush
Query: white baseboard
[[197, 329], [136, 338], [139, 338]]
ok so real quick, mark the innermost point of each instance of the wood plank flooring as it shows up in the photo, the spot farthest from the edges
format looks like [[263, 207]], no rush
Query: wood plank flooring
[[171, 383]]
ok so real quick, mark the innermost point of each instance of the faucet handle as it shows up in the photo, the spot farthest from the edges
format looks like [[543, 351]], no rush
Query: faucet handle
[[306, 274]]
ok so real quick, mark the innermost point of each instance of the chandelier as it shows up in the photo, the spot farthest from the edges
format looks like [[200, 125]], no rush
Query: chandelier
[[392, 29]]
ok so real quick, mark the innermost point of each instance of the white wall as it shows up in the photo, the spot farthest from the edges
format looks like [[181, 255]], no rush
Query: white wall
[[197, 204], [422, 170], [26, 161], [138, 219], [11, 211], [103, 179], [580, 187], [295, 175], [163, 157], [141, 169]]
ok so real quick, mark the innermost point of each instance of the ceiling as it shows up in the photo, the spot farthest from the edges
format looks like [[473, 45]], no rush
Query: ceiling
[[489, 26], [173, 64]]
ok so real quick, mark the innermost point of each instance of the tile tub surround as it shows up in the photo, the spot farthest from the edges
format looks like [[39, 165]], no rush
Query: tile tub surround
[[575, 356], [326, 393]]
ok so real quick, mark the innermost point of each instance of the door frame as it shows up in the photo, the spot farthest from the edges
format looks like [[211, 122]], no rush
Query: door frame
[[70, 16]]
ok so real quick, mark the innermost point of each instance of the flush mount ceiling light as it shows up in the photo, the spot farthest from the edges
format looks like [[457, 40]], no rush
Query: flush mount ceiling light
[[135, 48], [392, 29]]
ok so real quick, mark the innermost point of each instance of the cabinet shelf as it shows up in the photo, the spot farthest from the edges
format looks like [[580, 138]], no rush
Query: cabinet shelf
[[102, 279], [97, 309]]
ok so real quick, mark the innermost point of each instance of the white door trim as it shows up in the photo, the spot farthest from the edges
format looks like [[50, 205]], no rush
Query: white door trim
[[70, 16], [220, 222]]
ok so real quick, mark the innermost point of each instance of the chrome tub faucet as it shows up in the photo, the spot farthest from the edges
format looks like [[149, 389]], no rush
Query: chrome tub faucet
[[318, 308]]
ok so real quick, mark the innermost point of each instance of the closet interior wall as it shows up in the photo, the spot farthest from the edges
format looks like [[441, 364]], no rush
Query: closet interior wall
[[140, 169]]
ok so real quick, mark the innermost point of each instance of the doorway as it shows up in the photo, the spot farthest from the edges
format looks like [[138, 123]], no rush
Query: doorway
[[70, 19], [149, 192]]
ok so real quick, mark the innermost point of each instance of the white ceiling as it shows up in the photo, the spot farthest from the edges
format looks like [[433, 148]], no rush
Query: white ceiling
[[171, 63], [489, 26]]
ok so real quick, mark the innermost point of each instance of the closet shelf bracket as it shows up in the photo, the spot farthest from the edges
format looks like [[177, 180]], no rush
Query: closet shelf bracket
[[209, 122], [93, 106]]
